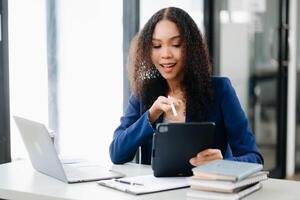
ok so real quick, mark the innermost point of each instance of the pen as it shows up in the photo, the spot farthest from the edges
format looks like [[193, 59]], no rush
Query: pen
[[127, 182], [173, 108]]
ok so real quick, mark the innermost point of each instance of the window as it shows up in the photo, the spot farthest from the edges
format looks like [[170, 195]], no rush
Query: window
[[28, 66], [90, 76], [90, 73]]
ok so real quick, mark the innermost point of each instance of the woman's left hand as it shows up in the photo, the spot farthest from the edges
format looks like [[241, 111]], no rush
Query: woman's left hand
[[206, 156]]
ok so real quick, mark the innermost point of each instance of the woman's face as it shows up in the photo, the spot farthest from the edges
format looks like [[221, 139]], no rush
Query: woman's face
[[167, 50]]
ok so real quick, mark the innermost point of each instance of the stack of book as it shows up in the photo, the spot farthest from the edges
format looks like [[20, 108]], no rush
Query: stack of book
[[223, 179]]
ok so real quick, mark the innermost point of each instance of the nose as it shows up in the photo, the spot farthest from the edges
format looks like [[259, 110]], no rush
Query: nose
[[166, 53]]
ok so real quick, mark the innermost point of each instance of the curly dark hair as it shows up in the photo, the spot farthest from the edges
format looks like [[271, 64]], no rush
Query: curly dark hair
[[146, 81]]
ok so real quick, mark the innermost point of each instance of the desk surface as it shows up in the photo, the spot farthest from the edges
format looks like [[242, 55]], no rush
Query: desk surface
[[18, 180]]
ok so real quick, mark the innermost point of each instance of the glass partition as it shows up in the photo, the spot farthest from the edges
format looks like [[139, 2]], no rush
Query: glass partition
[[248, 55]]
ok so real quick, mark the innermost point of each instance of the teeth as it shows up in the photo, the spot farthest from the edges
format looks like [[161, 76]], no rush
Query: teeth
[[168, 65]]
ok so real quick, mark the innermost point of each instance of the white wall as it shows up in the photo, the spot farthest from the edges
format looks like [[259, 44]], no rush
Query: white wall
[[193, 7], [235, 58]]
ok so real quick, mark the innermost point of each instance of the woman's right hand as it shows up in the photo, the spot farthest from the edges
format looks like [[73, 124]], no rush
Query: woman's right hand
[[206, 156], [161, 105]]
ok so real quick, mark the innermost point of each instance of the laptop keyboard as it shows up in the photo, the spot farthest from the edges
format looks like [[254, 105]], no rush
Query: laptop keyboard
[[81, 172], [93, 172]]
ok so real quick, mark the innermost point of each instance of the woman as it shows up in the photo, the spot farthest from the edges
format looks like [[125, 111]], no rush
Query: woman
[[170, 66]]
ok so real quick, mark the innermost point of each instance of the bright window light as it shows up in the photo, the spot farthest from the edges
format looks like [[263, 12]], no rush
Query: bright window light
[[91, 76], [240, 17], [27, 66], [90, 69], [224, 16]]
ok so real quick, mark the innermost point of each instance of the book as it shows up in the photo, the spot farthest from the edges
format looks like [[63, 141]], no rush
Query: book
[[226, 170], [223, 196], [145, 184], [227, 186]]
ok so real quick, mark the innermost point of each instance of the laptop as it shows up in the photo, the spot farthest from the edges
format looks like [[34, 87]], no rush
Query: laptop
[[44, 158]]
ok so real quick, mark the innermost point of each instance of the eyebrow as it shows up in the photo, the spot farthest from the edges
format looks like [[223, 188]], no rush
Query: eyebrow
[[172, 38]]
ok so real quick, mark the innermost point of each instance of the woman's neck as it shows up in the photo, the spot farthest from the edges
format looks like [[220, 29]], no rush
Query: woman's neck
[[174, 88]]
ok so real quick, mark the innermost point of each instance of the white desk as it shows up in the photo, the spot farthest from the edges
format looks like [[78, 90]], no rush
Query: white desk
[[18, 180]]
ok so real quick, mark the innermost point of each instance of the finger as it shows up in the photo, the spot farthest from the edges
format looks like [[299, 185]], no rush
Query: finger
[[197, 159], [208, 152], [203, 153], [162, 99], [175, 101], [166, 108], [165, 101], [214, 157], [193, 161], [208, 155], [196, 162]]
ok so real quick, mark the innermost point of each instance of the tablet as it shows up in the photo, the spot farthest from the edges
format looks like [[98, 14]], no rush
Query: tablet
[[174, 144]]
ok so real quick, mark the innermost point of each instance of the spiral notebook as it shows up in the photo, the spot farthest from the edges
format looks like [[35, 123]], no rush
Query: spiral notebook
[[145, 184]]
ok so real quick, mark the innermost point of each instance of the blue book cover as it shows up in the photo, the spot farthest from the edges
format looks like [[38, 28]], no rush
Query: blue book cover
[[226, 170]]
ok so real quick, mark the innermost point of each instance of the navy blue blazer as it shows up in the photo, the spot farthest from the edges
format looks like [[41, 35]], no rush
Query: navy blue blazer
[[232, 134]]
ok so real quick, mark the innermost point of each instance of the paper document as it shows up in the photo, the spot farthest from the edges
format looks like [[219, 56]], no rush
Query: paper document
[[145, 184]]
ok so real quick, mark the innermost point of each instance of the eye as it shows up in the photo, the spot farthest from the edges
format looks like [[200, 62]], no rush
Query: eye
[[176, 45], [156, 46]]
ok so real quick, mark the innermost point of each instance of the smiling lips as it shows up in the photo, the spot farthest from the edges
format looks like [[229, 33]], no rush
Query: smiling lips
[[168, 67]]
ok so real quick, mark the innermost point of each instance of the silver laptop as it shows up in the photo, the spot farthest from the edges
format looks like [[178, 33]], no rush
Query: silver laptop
[[44, 157]]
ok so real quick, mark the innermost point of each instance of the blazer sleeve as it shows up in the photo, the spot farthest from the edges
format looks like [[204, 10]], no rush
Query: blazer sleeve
[[133, 131], [240, 138]]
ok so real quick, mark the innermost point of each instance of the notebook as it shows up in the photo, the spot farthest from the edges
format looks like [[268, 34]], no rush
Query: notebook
[[226, 170], [44, 158], [227, 186], [223, 196], [174, 144], [145, 184]]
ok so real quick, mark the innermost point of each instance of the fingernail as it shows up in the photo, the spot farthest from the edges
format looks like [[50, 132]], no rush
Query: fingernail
[[192, 160]]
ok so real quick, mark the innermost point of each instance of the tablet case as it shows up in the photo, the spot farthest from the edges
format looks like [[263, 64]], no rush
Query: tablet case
[[174, 144]]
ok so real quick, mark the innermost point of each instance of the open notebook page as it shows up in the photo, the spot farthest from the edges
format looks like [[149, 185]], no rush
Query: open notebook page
[[145, 184]]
